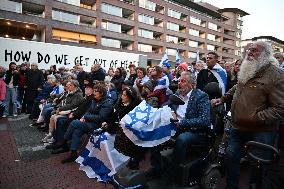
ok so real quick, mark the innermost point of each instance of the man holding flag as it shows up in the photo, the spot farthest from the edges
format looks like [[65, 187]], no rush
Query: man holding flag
[[213, 73]]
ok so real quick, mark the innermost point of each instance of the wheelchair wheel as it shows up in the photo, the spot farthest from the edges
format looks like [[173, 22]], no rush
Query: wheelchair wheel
[[211, 180]]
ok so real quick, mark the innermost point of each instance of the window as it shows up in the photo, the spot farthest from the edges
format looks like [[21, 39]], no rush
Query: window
[[11, 6], [111, 27], [171, 52], [192, 55], [238, 35], [172, 26], [145, 33], [110, 42], [144, 48], [212, 26], [73, 36], [193, 43], [174, 14], [65, 17], [211, 47], [147, 5], [71, 2], [195, 21], [194, 32], [171, 39], [110, 9], [146, 19], [211, 37]]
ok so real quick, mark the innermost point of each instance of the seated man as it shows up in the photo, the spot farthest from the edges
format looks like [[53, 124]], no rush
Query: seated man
[[194, 119], [100, 111]]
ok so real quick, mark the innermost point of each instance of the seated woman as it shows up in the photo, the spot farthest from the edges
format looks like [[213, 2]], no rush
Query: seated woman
[[63, 122], [99, 112], [128, 101], [71, 102]]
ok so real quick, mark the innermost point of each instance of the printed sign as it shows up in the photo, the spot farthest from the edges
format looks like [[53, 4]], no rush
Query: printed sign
[[47, 54]]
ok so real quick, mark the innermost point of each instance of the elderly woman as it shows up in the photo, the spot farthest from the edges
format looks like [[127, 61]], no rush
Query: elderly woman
[[73, 98], [99, 112]]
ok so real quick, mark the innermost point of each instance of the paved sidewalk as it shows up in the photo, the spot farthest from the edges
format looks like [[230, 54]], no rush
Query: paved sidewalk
[[25, 164]]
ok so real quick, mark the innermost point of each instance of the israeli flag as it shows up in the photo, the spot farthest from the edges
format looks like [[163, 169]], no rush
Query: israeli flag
[[162, 83], [100, 159], [221, 76], [164, 60], [147, 126], [178, 59]]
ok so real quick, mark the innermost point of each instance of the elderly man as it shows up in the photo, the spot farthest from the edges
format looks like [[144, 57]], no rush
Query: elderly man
[[257, 107], [194, 120]]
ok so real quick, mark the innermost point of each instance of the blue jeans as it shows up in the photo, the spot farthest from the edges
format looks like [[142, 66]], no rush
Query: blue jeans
[[46, 112], [20, 96], [235, 150], [11, 96], [76, 129], [59, 132]]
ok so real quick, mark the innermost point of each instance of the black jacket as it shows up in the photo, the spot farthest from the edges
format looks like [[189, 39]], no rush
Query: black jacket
[[71, 101], [8, 76], [83, 107], [98, 75], [35, 80], [99, 111]]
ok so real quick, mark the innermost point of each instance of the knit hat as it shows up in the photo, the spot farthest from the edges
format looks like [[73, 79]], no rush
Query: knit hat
[[184, 66]]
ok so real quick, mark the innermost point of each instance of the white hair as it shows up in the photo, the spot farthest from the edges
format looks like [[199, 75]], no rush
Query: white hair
[[250, 67]]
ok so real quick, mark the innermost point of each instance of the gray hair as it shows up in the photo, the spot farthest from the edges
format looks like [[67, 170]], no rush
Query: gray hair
[[267, 48], [190, 77], [74, 82]]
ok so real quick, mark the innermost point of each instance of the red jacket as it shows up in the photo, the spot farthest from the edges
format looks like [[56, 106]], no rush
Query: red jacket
[[160, 94], [2, 89]]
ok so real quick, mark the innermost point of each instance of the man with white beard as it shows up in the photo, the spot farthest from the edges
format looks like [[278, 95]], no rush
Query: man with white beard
[[257, 107]]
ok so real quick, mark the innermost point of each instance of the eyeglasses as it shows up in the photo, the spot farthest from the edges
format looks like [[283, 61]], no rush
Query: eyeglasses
[[209, 58]]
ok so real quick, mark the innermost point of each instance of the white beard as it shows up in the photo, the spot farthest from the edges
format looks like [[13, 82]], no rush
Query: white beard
[[250, 67]]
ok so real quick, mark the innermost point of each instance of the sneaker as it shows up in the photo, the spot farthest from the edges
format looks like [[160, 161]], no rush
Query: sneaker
[[49, 136], [15, 115], [51, 140], [4, 116]]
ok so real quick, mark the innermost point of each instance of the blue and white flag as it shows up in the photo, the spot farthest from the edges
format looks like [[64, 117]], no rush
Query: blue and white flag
[[221, 76], [165, 61], [147, 126], [178, 59], [162, 83], [100, 159]]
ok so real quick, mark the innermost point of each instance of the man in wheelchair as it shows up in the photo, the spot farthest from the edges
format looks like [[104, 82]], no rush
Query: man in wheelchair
[[192, 122]]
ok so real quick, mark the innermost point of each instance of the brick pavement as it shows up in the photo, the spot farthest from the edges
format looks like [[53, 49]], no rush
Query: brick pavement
[[34, 173]]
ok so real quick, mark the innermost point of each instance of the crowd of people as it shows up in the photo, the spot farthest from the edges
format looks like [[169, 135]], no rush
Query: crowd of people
[[68, 103]]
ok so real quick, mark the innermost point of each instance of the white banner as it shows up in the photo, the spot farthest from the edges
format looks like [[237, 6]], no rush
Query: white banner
[[47, 54]]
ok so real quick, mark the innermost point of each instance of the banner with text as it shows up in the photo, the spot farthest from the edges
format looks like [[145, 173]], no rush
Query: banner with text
[[47, 54]]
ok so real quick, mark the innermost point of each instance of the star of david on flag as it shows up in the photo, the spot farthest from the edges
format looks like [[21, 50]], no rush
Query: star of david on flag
[[100, 159], [147, 126]]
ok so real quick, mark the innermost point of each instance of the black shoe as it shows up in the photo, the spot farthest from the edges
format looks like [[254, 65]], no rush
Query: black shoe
[[59, 150], [53, 146], [72, 157], [153, 173]]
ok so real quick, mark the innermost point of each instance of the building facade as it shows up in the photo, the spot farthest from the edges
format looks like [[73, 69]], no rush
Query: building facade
[[277, 44], [149, 27]]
